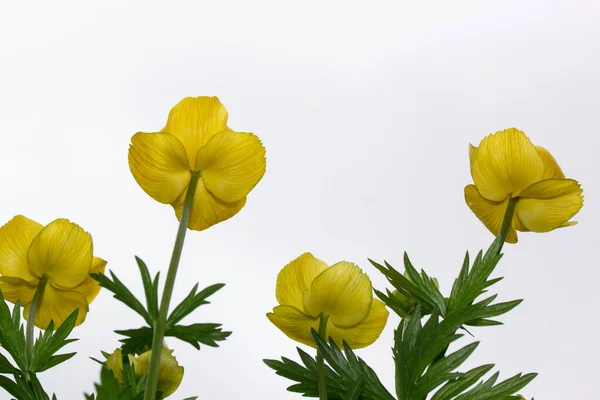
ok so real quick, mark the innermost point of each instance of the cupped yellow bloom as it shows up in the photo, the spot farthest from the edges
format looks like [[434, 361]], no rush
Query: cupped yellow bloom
[[506, 164], [57, 256], [169, 376], [197, 139], [307, 287]]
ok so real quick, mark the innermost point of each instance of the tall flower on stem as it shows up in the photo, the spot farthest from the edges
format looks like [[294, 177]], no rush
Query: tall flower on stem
[[509, 171], [336, 301], [204, 170], [47, 270]]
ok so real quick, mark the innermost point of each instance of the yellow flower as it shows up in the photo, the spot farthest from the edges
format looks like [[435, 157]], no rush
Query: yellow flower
[[169, 376], [197, 139], [307, 287], [506, 164], [58, 256]]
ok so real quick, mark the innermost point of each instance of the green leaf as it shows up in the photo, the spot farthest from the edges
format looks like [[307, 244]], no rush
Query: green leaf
[[14, 389], [192, 301], [12, 336], [207, 334], [43, 354], [122, 294], [137, 340], [150, 289], [5, 366]]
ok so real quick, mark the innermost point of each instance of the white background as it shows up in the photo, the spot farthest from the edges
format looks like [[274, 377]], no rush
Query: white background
[[366, 111]]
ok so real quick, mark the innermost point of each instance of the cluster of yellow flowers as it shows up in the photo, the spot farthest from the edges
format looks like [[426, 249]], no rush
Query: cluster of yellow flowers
[[196, 151]]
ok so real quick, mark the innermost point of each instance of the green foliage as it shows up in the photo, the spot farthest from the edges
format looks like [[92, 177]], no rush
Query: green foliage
[[347, 376], [108, 389], [43, 355]]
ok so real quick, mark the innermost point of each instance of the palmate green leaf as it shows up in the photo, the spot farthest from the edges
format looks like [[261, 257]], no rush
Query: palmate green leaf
[[5, 366], [108, 389], [192, 301], [347, 376], [15, 390], [150, 288], [12, 336], [140, 340], [121, 293], [49, 342]]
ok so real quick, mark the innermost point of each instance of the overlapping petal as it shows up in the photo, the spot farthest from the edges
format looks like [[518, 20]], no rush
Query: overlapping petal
[[159, 164], [90, 288], [491, 213], [549, 204], [551, 168], [343, 291], [194, 121], [170, 373], [14, 289], [56, 305], [15, 237], [296, 278], [232, 164], [364, 333], [294, 323], [207, 210], [61, 251], [506, 163]]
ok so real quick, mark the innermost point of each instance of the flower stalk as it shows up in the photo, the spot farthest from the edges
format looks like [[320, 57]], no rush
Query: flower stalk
[[321, 382], [160, 324], [508, 216], [32, 313]]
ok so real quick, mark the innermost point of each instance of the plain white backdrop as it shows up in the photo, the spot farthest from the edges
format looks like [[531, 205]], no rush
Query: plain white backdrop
[[366, 110]]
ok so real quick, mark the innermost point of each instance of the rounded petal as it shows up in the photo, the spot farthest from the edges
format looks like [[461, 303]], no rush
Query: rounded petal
[[207, 210], [62, 251], [194, 121], [295, 279], [549, 204], [551, 168], [15, 237], [90, 288], [160, 166], [114, 363], [506, 163], [232, 164], [56, 305], [170, 373], [491, 213], [14, 289], [363, 334], [294, 323], [343, 291]]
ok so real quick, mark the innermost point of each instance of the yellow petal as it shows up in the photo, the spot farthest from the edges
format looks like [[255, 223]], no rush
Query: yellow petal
[[56, 305], [160, 166], [491, 213], [551, 167], [232, 164], [90, 288], [115, 364], [207, 210], [15, 237], [170, 373], [364, 333], [295, 279], [14, 289], [343, 291], [472, 154], [294, 323], [506, 162], [62, 251], [194, 121], [549, 204]]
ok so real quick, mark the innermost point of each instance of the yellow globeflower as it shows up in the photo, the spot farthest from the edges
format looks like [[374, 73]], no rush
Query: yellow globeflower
[[58, 258], [169, 376], [197, 140], [307, 287], [506, 164]]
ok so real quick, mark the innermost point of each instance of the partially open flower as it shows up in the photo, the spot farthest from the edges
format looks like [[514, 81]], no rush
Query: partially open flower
[[507, 165], [57, 259], [308, 287], [169, 376], [197, 140]]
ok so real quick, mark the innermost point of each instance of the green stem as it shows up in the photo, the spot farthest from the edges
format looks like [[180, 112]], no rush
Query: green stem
[[35, 303], [322, 384], [160, 324], [508, 216]]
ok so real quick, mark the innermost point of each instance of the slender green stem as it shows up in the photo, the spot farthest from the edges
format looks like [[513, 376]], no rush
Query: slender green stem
[[35, 303], [508, 216], [322, 384], [160, 324]]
